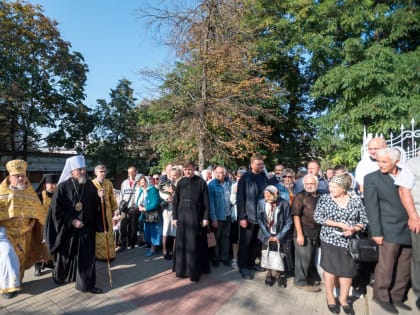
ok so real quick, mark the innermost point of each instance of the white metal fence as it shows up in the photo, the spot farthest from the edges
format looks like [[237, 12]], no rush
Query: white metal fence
[[408, 141]]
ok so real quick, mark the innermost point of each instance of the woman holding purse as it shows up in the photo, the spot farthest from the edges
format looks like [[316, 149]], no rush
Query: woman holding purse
[[341, 216], [275, 224], [148, 202]]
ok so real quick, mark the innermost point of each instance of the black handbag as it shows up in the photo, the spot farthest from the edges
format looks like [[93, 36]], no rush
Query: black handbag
[[151, 216], [123, 206], [363, 249]]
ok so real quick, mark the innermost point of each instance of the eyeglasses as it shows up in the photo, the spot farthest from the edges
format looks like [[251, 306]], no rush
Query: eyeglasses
[[155, 177], [19, 176]]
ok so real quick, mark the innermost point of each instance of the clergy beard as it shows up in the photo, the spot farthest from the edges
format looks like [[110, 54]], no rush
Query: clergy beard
[[81, 180], [20, 186]]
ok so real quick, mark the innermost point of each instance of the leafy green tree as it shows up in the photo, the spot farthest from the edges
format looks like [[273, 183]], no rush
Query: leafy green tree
[[355, 63], [116, 141], [41, 80], [375, 83]]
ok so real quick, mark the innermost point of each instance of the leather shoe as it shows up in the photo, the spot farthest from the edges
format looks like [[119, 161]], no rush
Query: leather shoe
[[226, 263], [9, 295], [347, 309], [333, 308], [402, 305], [245, 274], [282, 282], [269, 281], [389, 307], [96, 290]]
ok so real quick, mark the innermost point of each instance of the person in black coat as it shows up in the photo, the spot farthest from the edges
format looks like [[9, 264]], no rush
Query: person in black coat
[[250, 189], [72, 221], [191, 218]]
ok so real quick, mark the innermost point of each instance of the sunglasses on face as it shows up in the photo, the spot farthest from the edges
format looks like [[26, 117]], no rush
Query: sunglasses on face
[[287, 176]]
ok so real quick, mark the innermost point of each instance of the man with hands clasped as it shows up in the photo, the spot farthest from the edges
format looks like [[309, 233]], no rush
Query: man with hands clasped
[[191, 218], [389, 229], [306, 235]]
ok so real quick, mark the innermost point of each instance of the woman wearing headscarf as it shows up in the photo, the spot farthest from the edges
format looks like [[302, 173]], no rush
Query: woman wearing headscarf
[[341, 216], [275, 226], [147, 200]]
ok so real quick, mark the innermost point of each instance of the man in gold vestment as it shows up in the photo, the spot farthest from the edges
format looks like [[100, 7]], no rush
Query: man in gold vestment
[[110, 205], [21, 214]]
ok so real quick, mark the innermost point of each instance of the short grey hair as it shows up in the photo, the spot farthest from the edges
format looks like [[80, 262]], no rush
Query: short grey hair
[[392, 153], [100, 167], [310, 176]]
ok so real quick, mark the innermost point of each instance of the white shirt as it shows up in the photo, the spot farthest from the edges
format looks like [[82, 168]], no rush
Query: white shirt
[[365, 167], [409, 177]]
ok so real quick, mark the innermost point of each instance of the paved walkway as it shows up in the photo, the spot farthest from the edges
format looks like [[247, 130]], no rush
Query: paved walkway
[[147, 286]]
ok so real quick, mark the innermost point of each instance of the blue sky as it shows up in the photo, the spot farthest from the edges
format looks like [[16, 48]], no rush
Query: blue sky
[[113, 40]]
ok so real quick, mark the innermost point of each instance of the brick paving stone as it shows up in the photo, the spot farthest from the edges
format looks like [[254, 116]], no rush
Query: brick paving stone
[[132, 270], [165, 294]]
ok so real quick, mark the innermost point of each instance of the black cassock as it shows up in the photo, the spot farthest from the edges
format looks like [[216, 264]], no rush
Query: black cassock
[[74, 249], [190, 208]]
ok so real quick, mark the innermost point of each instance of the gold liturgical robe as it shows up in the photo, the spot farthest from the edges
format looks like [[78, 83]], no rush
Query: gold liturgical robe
[[46, 202], [22, 215], [110, 206]]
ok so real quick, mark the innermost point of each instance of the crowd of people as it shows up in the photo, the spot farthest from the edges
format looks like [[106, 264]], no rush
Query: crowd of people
[[310, 216]]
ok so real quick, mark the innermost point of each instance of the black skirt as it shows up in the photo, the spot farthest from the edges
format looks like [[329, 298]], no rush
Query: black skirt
[[337, 261]]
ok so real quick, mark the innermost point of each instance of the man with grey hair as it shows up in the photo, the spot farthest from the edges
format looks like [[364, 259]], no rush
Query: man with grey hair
[[389, 229], [306, 235], [105, 242], [220, 215], [129, 217], [409, 182]]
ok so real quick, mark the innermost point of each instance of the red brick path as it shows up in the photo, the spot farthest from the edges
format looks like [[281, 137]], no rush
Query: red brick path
[[166, 294]]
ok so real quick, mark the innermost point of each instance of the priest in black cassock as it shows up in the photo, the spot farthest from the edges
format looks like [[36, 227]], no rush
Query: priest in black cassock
[[73, 219], [191, 217]]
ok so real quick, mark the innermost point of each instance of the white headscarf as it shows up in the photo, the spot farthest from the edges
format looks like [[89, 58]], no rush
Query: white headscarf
[[72, 163]]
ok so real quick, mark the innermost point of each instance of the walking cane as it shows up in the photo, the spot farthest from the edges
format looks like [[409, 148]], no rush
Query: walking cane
[[106, 240]]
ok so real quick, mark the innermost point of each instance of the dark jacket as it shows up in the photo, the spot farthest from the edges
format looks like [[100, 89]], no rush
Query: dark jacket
[[283, 223], [386, 214], [250, 189]]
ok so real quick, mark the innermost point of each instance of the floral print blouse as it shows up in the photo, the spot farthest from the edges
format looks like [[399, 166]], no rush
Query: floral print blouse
[[353, 214]]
